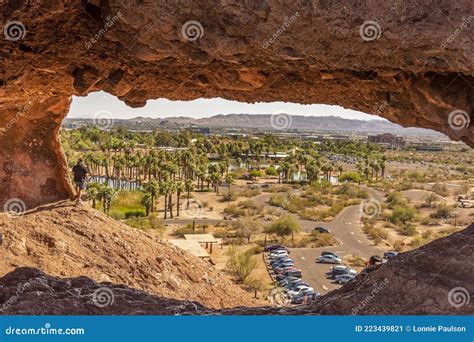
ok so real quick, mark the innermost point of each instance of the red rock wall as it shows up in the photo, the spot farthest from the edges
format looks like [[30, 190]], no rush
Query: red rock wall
[[408, 61]]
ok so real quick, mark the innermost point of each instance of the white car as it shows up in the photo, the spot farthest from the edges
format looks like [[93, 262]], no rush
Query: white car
[[300, 290], [329, 259], [344, 278], [278, 254]]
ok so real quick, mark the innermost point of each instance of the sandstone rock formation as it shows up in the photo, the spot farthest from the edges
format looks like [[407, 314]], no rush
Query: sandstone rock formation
[[408, 61], [435, 279], [67, 240]]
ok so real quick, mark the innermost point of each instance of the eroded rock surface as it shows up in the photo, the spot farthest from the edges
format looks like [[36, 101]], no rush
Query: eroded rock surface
[[71, 241], [436, 279], [413, 64]]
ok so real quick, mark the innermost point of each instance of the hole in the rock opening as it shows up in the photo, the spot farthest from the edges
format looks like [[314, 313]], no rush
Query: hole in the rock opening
[[399, 188]]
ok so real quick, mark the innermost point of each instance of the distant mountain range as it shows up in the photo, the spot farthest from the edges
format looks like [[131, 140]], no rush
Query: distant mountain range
[[279, 122]]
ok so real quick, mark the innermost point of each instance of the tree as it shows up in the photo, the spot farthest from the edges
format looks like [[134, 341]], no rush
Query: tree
[[189, 187], [229, 178], [247, 227], [284, 226], [180, 188], [147, 203], [241, 263], [93, 193]]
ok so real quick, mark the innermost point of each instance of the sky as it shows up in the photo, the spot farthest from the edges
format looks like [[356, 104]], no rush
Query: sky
[[86, 107]]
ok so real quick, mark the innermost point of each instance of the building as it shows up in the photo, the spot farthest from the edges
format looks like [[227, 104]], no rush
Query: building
[[387, 139]]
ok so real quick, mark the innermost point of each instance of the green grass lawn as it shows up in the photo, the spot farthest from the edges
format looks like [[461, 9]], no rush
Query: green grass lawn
[[126, 201]]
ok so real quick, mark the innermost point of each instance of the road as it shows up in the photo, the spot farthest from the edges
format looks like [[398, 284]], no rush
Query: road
[[346, 228]]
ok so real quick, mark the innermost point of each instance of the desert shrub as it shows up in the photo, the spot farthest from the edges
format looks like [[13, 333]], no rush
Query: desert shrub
[[230, 196], [180, 231], [271, 171], [250, 193], [395, 198], [255, 173], [356, 261], [134, 213], [402, 215], [155, 221], [407, 229], [398, 245], [443, 211], [255, 250], [350, 176], [440, 189], [322, 239]]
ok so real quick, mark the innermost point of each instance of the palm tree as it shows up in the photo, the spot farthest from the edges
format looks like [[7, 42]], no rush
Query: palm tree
[[93, 193], [147, 202], [171, 191], [180, 188], [189, 187], [164, 190]]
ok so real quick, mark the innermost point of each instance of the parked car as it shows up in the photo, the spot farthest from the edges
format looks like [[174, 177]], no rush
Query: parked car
[[278, 260], [390, 255], [339, 270], [275, 247], [279, 253], [290, 273], [344, 278], [296, 284], [322, 230], [293, 273], [301, 291], [284, 264], [330, 253], [300, 299], [283, 269], [287, 281], [329, 259]]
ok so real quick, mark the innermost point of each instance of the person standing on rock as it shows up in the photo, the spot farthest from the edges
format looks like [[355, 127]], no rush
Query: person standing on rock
[[80, 172]]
